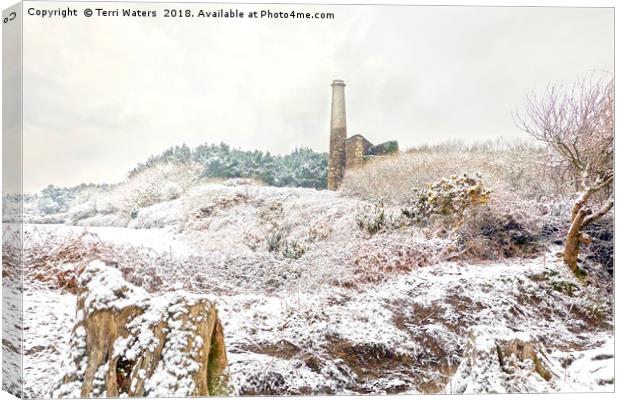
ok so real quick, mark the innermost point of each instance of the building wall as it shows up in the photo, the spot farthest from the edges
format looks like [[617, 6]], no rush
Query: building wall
[[355, 149]]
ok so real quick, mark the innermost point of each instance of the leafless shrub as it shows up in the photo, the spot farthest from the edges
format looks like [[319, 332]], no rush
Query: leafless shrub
[[55, 263], [577, 125]]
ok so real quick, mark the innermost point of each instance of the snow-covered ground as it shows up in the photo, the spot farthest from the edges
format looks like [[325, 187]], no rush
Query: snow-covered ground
[[346, 313]]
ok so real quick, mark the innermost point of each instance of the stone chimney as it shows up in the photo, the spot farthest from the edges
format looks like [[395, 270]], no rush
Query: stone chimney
[[338, 135]]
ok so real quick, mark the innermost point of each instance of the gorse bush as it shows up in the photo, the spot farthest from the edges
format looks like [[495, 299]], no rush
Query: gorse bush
[[371, 218], [447, 197], [278, 241], [374, 218]]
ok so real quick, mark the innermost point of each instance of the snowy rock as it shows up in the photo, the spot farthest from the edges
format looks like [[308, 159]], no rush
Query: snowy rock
[[500, 360], [589, 370], [128, 343]]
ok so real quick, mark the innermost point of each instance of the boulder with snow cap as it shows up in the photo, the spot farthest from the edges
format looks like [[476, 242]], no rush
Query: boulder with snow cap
[[127, 342], [500, 360]]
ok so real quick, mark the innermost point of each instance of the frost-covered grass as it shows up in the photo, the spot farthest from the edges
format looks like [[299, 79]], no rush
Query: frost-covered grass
[[503, 171], [48, 320], [350, 312], [12, 361]]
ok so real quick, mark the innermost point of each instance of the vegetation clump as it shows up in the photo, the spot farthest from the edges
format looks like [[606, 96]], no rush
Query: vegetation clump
[[447, 197], [277, 242], [492, 232], [301, 168], [374, 218]]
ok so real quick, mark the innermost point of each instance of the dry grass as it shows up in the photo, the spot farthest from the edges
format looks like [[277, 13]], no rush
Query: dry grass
[[393, 179], [529, 205], [53, 262], [525, 212]]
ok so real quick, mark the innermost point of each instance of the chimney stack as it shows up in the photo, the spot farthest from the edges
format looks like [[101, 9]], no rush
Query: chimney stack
[[338, 135]]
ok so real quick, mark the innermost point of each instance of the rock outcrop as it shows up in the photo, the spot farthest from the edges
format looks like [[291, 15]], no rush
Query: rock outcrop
[[500, 360], [127, 342]]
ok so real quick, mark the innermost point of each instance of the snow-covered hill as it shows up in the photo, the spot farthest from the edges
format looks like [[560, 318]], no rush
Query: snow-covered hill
[[311, 303]]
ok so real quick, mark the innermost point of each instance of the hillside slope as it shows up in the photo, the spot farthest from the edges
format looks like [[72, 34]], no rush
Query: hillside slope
[[311, 303]]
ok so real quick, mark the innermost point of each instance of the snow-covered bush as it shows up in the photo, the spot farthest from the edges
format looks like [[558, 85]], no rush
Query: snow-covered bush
[[448, 198], [278, 233], [162, 182], [601, 250], [152, 187], [374, 218], [302, 167], [122, 202], [55, 199], [493, 231], [277, 241], [82, 211]]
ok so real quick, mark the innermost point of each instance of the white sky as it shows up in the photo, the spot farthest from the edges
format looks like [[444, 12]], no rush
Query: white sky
[[101, 95]]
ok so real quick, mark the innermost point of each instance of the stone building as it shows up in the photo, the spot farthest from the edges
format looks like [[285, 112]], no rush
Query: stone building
[[347, 153]]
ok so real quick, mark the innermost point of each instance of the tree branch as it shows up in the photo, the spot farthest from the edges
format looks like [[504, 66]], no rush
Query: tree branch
[[602, 211]]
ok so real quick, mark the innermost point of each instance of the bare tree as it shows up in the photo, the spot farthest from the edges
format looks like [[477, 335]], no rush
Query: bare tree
[[577, 125]]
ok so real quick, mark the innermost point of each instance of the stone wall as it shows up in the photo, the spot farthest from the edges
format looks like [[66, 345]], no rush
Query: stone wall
[[356, 147]]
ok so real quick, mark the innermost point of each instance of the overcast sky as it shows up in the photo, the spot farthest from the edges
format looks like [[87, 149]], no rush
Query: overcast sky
[[102, 94]]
